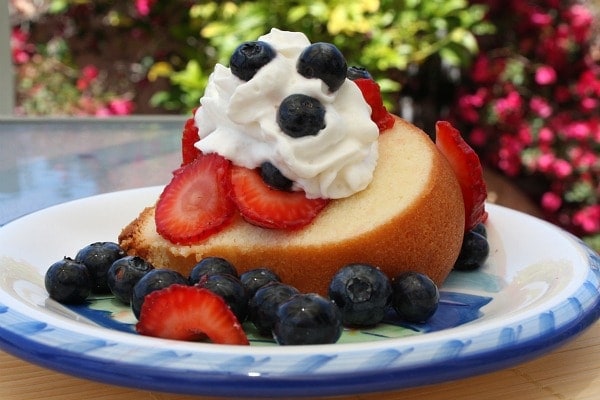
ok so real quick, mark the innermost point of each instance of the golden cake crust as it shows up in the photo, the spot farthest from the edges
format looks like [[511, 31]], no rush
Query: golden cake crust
[[410, 218]]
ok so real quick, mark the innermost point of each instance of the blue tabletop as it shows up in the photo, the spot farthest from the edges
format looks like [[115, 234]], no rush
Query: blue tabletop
[[44, 162]]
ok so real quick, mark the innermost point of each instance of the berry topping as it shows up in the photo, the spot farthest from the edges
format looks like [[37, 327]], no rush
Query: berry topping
[[274, 178], [195, 203], [211, 266], [300, 115], [189, 313], [307, 319], [230, 289], [262, 308], [473, 253], [362, 292], [467, 168], [154, 280], [256, 278], [415, 297], [264, 206], [98, 257], [68, 281], [481, 229], [355, 72], [249, 57], [323, 61], [190, 136], [372, 95], [124, 274]]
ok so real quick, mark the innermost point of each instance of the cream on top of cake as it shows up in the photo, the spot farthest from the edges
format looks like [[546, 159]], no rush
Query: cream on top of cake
[[238, 120]]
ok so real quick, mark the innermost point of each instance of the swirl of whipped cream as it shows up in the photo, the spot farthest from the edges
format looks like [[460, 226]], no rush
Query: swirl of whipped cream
[[238, 120]]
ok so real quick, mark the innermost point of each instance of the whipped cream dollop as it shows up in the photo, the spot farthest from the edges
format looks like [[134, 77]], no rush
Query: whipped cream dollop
[[238, 120]]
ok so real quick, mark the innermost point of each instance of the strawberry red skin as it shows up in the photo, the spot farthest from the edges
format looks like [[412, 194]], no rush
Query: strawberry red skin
[[183, 312], [264, 206], [467, 168], [372, 95], [189, 137], [195, 204]]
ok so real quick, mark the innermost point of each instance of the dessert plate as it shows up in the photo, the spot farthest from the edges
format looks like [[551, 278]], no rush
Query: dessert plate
[[539, 287]]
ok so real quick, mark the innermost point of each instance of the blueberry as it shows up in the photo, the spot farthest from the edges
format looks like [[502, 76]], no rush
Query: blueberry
[[273, 177], [323, 61], [362, 292], [98, 257], [68, 281], [300, 115], [231, 290], [262, 307], [415, 296], [211, 266], [473, 252], [307, 319], [154, 280], [256, 278], [355, 72], [124, 274], [249, 57], [481, 229]]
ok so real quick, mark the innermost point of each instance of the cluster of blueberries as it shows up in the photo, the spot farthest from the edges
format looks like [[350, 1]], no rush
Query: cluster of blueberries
[[359, 294]]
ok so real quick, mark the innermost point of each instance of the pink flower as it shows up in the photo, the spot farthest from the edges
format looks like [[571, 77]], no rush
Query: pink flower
[[546, 134], [103, 112], [508, 106], [540, 18], [21, 50], [88, 74], [478, 137], [143, 7], [121, 106], [469, 105], [551, 202], [580, 21], [583, 158], [540, 106], [545, 162], [577, 130], [545, 75], [588, 219], [485, 70], [589, 103], [562, 168]]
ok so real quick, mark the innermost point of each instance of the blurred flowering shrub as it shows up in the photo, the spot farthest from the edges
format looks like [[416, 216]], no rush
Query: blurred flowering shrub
[[171, 46], [49, 83], [532, 106]]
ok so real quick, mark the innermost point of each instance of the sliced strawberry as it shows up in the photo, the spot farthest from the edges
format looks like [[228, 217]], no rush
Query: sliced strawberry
[[195, 203], [264, 206], [372, 94], [465, 163], [189, 137], [189, 313]]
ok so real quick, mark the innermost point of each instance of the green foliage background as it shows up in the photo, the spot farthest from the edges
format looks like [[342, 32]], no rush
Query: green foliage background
[[386, 37]]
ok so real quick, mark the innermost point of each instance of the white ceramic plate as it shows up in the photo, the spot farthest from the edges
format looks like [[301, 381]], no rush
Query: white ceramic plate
[[539, 288]]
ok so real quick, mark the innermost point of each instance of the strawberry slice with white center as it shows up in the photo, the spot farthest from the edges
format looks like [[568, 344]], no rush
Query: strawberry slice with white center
[[467, 168], [183, 312], [195, 204], [264, 206]]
